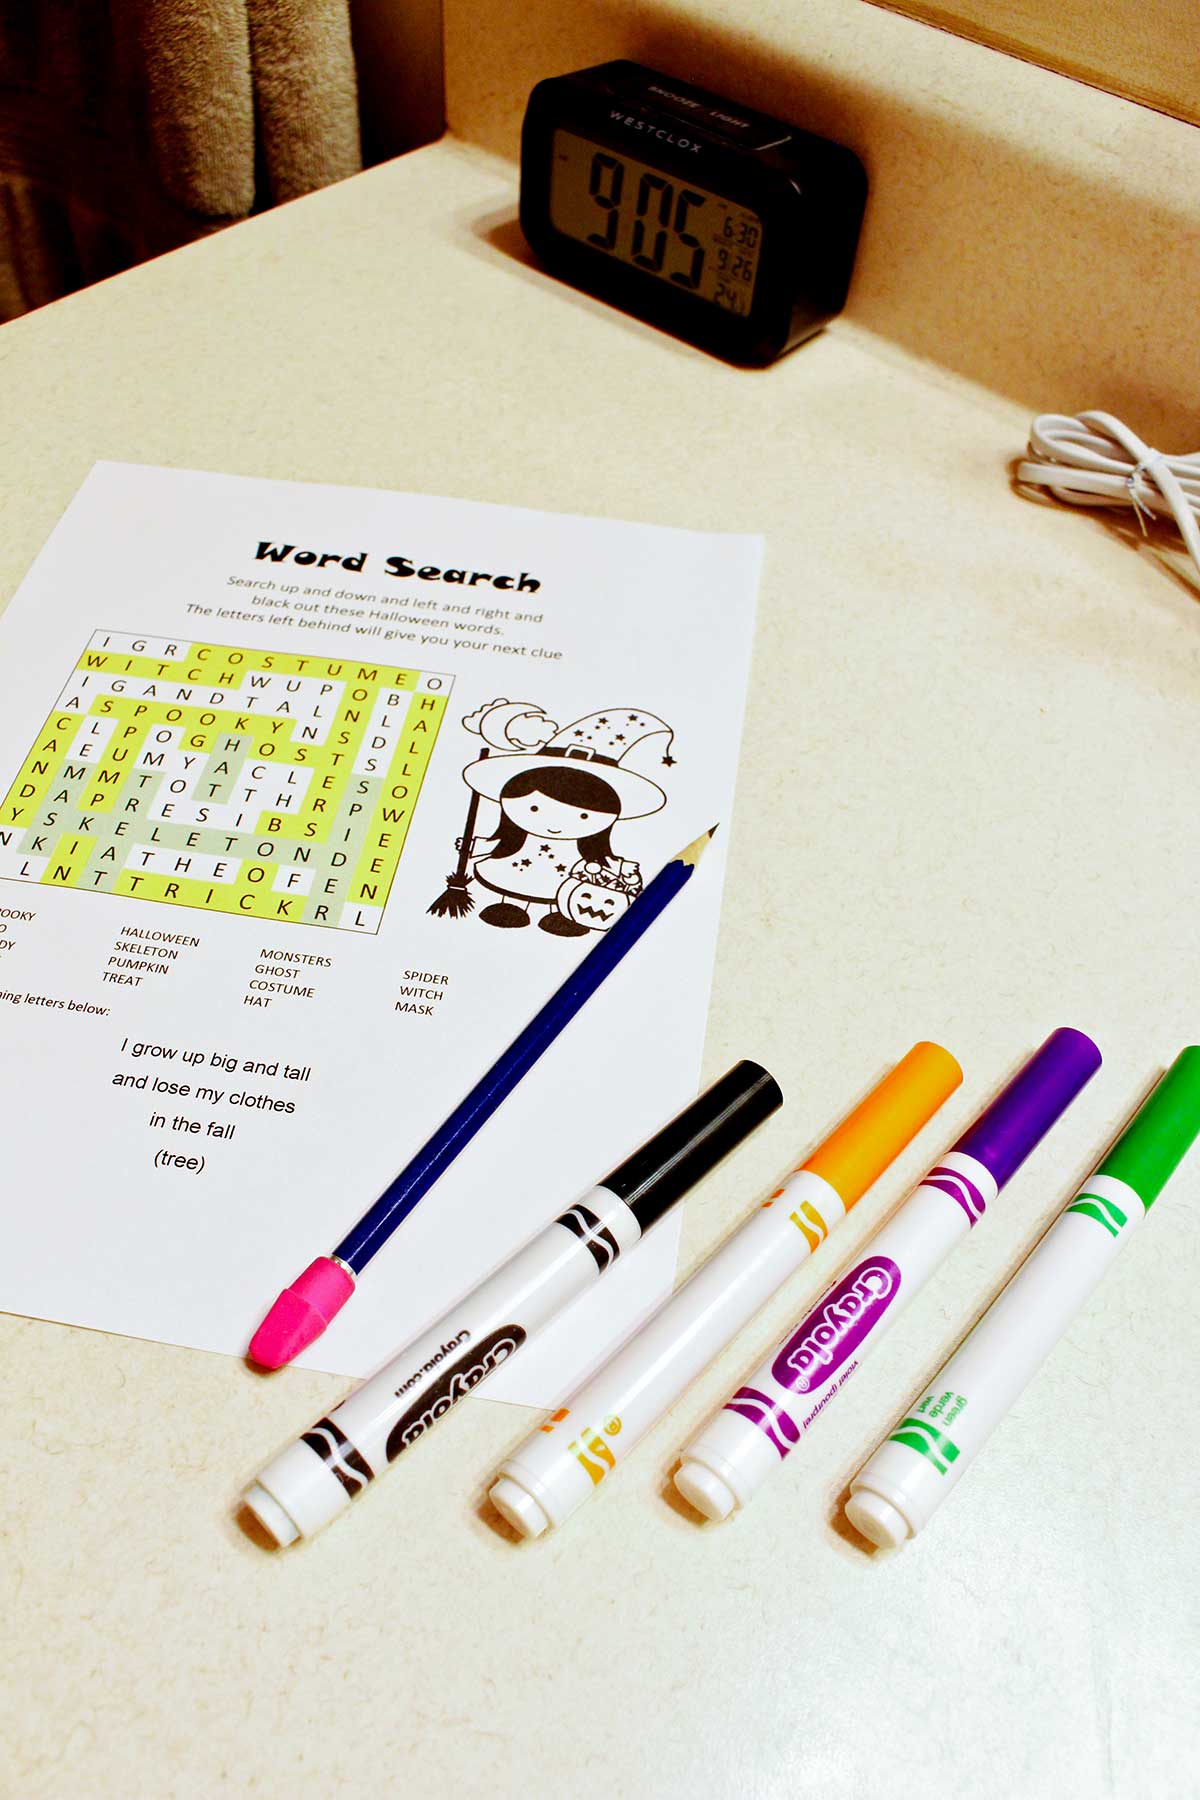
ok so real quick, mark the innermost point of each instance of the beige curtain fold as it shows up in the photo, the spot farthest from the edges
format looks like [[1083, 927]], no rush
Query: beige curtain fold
[[128, 127], [305, 93]]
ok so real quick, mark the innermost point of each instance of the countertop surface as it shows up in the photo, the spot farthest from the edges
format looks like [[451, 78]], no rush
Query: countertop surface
[[966, 811]]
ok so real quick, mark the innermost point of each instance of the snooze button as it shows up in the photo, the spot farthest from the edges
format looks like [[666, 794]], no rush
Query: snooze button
[[757, 140], [747, 134], [752, 132]]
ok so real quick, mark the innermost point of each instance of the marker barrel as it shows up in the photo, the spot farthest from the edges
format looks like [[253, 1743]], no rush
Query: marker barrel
[[761, 1423], [563, 1461], [897, 1491], [561, 1464], [315, 1479], [724, 1467]]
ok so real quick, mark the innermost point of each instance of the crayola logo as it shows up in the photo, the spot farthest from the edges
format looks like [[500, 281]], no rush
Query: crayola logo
[[837, 1325], [452, 1383]]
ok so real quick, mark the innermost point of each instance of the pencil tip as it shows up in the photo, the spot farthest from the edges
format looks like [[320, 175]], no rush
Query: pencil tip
[[696, 850]]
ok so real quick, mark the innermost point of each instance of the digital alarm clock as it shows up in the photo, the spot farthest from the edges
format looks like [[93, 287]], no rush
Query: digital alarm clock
[[731, 229]]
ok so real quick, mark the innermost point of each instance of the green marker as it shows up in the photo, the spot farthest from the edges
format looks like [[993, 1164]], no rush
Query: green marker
[[899, 1489]]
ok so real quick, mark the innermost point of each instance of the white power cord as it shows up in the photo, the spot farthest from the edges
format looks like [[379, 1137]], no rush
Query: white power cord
[[1092, 459]]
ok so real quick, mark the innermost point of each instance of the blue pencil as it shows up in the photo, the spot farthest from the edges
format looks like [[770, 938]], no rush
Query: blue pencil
[[304, 1309]]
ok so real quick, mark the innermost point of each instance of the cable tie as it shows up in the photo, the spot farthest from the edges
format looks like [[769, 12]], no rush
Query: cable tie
[[1140, 507]]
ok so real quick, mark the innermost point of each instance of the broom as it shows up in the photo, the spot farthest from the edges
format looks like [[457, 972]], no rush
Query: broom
[[457, 900]]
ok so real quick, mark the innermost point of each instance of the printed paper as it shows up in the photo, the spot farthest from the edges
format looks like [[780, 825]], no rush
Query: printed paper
[[309, 797]]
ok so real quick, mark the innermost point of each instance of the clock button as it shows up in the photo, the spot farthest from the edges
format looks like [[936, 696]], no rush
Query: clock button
[[766, 137]]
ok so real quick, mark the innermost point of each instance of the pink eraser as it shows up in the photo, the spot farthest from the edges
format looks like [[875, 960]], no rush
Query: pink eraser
[[301, 1313]]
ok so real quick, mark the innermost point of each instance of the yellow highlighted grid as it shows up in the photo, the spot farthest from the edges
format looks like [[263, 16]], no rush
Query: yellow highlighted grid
[[272, 784]]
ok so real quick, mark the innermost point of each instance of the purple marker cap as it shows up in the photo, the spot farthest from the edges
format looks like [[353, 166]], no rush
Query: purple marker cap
[[1038, 1094]]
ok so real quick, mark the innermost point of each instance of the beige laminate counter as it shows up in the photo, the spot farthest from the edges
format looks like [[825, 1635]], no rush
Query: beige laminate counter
[[966, 810]]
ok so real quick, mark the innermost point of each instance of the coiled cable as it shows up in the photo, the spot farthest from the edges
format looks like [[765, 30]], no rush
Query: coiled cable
[[1093, 459]]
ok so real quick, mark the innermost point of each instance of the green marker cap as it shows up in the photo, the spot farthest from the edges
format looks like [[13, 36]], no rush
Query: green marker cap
[[1161, 1132]]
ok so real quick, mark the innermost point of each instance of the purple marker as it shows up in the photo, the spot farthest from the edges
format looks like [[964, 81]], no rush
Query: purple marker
[[724, 1467]]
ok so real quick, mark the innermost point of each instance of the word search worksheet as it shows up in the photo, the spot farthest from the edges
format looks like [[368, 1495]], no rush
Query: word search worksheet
[[309, 798]]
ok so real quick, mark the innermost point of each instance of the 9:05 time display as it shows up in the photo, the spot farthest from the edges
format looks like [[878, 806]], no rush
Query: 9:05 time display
[[699, 241]]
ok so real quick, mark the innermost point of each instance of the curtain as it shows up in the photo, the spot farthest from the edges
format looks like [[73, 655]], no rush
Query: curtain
[[128, 127]]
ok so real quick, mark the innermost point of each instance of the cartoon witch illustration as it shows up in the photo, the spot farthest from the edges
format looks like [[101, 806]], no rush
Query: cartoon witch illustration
[[560, 793]]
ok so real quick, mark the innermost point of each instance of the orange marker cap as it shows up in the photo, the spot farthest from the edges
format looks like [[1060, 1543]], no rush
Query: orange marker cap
[[857, 1151]]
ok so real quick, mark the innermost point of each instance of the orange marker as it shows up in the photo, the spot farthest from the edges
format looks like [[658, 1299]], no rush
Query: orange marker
[[575, 1447]]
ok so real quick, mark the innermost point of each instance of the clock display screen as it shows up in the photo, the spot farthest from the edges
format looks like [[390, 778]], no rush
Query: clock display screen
[[694, 239]]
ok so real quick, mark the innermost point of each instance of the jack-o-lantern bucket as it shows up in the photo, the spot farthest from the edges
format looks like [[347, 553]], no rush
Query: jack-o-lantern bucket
[[587, 902]]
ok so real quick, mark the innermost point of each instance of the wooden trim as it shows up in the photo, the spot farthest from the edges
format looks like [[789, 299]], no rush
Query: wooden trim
[[1145, 50]]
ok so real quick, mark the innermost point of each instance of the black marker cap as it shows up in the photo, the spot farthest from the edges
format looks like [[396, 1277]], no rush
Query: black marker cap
[[677, 1157]]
